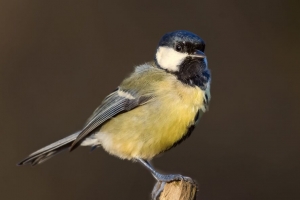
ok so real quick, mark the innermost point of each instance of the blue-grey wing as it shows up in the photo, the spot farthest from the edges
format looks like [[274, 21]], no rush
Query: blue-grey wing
[[117, 102]]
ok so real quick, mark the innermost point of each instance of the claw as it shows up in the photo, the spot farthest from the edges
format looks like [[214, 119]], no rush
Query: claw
[[188, 179], [157, 190]]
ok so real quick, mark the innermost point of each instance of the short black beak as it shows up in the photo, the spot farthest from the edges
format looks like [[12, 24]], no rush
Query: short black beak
[[198, 54]]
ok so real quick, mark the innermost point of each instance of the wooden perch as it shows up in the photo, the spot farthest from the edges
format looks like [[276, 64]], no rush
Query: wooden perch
[[175, 190]]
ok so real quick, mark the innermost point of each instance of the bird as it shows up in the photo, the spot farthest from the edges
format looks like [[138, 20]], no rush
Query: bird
[[153, 110]]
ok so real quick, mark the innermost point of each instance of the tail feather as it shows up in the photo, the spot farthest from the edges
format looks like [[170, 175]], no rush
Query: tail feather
[[49, 151]]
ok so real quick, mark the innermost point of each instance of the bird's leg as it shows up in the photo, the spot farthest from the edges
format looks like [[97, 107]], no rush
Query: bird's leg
[[164, 177]]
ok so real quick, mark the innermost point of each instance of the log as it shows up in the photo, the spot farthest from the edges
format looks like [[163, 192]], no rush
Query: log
[[175, 190]]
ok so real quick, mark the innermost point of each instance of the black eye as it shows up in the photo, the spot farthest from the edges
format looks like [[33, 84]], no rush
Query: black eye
[[178, 47]]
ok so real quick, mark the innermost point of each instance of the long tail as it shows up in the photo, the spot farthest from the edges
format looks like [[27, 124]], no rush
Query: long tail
[[47, 152]]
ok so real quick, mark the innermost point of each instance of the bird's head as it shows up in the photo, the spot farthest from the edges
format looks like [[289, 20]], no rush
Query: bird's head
[[182, 53]]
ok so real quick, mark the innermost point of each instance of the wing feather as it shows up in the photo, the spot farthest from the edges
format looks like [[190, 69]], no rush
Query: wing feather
[[112, 105]]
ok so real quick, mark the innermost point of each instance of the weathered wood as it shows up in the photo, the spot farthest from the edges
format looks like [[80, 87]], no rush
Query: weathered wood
[[175, 190]]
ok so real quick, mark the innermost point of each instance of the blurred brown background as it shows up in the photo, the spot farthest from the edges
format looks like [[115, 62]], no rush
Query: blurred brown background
[[59, 59]]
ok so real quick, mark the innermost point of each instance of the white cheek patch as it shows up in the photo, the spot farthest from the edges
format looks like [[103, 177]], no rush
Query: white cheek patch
[[169, 59]]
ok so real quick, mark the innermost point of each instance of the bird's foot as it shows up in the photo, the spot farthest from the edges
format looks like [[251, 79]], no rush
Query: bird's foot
[[162, 180], [157, 190], [172, 177]]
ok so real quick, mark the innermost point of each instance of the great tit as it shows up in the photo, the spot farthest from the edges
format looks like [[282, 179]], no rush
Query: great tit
[[153, 110]]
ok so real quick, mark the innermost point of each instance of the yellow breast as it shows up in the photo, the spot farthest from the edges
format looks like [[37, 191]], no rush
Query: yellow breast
[[154, 127]]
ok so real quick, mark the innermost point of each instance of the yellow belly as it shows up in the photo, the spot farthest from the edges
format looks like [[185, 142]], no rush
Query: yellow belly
[[154, 127]]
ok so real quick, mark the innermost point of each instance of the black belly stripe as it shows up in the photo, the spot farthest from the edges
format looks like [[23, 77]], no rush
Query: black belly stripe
[[185, 136]]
